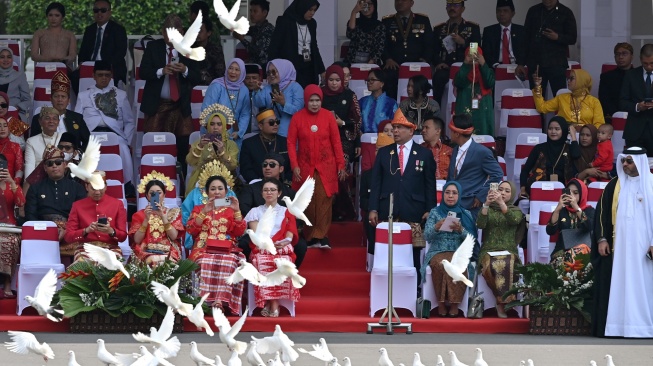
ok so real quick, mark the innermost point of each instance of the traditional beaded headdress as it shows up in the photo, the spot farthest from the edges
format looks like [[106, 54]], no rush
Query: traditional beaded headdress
[[222, 111], [154, 175], [214, 168]]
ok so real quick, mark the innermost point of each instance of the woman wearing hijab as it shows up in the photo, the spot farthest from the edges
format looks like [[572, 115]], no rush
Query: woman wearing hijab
[[443, 243], [503, 226], [315, 150], [572, 212], [578, 107], [14, 83], [295, 39], [550, 160], [585, 147], [474, 82], [285, 101], [366, 34], [230, 91]]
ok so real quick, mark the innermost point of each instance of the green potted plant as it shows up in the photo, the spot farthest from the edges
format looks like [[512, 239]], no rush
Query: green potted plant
[[100, 300], [559, 295]]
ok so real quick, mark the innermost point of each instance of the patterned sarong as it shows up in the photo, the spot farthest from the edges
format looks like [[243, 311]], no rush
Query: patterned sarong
[[214, 270]]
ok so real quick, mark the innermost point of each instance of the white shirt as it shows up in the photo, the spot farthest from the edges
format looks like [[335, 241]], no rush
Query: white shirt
[[165, 89], [99, 52], [256, 213], [123, 126], [462, 151], [509, 28], [34, 149], [407, 147], [303, 38]]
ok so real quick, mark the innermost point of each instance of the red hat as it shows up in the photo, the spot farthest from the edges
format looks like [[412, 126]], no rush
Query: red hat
[[60, 82], [400, 119]]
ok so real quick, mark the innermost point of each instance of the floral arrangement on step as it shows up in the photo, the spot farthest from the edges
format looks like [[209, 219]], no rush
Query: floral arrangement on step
[[561, 285], [87, 287]]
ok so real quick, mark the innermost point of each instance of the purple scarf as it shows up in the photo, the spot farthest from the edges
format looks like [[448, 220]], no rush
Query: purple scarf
[[232, 85], [287, 72]]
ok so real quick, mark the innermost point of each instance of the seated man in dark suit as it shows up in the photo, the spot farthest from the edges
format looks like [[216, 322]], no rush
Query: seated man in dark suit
[[169, 79], [497, 36], [104, 40], [611, 81], [256, 147], [251, 196]]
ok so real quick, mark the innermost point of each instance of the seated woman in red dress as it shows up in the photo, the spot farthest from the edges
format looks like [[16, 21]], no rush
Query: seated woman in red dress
[[156, 232], [215, 227], [284, 237], [11, 196]]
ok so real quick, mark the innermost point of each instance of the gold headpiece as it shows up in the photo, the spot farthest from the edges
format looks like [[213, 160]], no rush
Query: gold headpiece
[[214, 168], [154, 175], [215, 109]]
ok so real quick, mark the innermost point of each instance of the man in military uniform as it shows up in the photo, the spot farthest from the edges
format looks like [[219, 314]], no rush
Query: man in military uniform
[[451, 40], [408, 39]]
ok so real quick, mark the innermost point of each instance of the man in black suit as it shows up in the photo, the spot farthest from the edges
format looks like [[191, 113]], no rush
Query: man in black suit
[[104, 40], [497, 36], [637, 100], [611, 81], [256, 147], [406, 170], [169, 79]]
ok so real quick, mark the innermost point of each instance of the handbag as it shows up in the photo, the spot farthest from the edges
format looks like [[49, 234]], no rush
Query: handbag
[[423, 308], [217, 246], [574, 237], [417, 235], [476, 301]]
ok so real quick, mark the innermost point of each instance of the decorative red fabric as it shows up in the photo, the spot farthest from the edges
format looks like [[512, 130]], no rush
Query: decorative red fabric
[[86, 211]]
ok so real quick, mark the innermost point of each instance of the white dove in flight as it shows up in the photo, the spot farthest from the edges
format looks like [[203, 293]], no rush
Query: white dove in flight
[[262, 237], [302, 199], [148, 358], [460, 260], [166, 346], [198, 357], [479, 358], [246, 271], [228, 18], [88, 164], [24, 342], [183, 44], [43, 297], [320, 351], [227, 332], [72, 361], [454, 359], [285, 269], [279, 341], [170, 297], [105, 258], [197, 316]]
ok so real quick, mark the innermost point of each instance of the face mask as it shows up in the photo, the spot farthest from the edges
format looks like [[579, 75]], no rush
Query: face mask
[[67, 156]]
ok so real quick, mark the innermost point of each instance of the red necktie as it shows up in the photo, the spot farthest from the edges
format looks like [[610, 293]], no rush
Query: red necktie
[[505, 53], [401, 159], [174, 83]]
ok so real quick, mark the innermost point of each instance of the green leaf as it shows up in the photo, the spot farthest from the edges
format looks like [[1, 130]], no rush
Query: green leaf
[[143, 311]]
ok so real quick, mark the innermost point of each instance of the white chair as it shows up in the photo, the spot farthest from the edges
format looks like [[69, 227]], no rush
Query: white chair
[[542, 194], [518, 98], [42, 98], [408, 70], [159, 143], [44, 72], [504, 167], [594, 192], [251, 302], [545, 244], [428, 290], [449, 96], [504, 76], [418, 139], [109, 143], [167, 165], [39, 253], [618, 123], [196, 100], [358, 82], [404, 291], [111, 164], [523, 148], [521, 121], [485, 140]]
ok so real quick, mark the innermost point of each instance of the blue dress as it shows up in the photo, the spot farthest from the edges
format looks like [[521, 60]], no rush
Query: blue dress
[[294, 94], [239, 105], [376, 110]]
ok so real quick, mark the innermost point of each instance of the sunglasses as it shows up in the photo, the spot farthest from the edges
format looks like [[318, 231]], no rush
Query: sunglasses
[[267, 190], [65, 147], [271, 165], [274, 122], [51, 163], [627, 160], [4, 105], [100, 10]]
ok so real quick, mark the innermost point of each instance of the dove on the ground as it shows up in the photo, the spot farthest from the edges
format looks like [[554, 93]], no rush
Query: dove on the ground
[[71, 359], [417, 361], [593, 363], [218, 361], [609, 360], [43, 297], [246, 271], [530, 362], [24, 342], [320, 351], [346, 361], [149, 359], [197, 317], [272, 362], [522, 363], [285, 269], [105, 258], [302, 198], [479, 358], [454, 359], [197, 357], [234, 360], [278, 341], [90, 160], [184, 44], [105, 356], [440, 361], [460, 260], [228, 332], [228, 18], [384, 359], [170, 297], [166, 346], [334, 362], [262, 236], [252, 356]]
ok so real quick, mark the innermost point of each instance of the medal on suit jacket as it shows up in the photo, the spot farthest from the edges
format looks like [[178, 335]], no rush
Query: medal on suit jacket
[[76, 126], [392, 152]]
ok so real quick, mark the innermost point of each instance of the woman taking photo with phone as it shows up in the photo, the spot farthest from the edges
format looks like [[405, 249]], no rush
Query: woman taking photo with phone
[[284, 237], [156, 230], [11, 196], [215, 227], [214, 145]]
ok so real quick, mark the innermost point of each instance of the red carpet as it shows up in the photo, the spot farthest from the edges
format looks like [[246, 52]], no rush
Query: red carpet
[[335, 299]]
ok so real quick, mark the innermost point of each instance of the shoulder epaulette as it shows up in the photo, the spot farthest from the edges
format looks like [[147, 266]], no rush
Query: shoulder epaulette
[[389, 16], [470, 22], [439, 25], [422, 14]]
